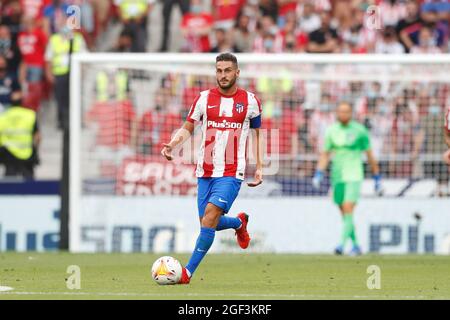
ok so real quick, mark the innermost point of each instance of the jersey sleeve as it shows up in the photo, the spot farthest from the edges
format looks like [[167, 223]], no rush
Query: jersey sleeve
[[255, 112], [195, 113], [365, 140]]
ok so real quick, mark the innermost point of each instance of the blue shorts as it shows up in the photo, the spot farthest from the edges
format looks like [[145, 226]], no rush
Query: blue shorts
[[220, 191]]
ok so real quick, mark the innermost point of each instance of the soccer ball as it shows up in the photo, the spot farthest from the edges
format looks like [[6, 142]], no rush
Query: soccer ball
[[166, 270]]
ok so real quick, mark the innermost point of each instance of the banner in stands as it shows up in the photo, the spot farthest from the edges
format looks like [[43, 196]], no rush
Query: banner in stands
[[153, 175], [170, 224], [287, 225], [29, 223]]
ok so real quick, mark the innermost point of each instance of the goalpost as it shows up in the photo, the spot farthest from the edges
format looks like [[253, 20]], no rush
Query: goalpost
[[123, 106]]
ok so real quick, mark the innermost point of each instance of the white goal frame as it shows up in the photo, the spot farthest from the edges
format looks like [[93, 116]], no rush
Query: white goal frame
[[120, 59]]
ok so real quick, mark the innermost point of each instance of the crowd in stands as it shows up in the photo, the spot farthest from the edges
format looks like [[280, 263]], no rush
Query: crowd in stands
[[32, 33], [264, 26]]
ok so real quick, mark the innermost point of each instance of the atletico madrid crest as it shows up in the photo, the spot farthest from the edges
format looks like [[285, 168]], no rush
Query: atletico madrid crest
[[239, 107]]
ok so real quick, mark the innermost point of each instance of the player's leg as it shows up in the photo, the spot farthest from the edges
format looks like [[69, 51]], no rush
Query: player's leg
[[351, 196], [223, 194], [338, 197], [205, 239]]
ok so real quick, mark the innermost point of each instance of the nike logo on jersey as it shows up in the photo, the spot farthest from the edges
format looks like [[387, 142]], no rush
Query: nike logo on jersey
[[221, 200], [210, 107]]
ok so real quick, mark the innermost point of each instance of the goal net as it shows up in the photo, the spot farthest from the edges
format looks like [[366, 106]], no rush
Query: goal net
[[124, 106]]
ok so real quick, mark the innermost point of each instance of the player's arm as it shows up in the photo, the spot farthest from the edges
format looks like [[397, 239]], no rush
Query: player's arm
[[324, 160], [322, 165], [373, 163], [259, 163], [180, 137]]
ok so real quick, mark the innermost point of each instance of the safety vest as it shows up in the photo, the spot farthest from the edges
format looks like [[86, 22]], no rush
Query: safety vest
[[132, 8], [16, 131], [60, 46], [120, 86]]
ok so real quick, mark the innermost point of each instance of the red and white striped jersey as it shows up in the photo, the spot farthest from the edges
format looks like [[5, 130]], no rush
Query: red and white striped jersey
[[226, 122]]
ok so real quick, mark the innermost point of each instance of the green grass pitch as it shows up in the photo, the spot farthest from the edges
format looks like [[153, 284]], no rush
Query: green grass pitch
[[226, 276]]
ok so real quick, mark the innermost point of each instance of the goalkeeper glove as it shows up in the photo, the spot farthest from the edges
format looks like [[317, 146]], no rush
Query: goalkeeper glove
[[317, 179]]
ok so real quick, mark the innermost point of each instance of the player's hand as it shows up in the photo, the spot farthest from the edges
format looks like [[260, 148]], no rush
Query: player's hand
[[258, 179], [317, 179], [167, 151], [377, 184], [446, 157]]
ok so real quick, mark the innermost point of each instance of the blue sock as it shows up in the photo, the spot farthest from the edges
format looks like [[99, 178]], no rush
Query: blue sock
[[228, 223], [204, 242]]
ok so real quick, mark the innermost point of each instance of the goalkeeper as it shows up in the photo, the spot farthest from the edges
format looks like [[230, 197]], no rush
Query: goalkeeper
[[346, 139]]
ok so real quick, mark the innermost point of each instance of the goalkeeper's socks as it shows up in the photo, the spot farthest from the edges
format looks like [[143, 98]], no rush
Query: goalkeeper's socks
[[204, 242], [347, 228], [353, 236], [228, 223]]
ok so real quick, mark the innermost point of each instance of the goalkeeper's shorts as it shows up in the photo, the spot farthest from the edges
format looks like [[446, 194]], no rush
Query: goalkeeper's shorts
[[346, 192]]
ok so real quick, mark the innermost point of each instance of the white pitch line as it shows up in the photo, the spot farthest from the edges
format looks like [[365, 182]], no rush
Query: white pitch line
[[243, 295], [4, 288]]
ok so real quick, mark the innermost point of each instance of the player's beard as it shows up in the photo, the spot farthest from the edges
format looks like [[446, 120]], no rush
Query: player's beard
[[227, 86]]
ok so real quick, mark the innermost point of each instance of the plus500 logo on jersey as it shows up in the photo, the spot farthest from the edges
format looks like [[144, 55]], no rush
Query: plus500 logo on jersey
[[224, 124]]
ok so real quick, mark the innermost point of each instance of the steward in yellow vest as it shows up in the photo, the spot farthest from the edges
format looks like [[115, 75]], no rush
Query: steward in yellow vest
[[59, 49], [112, 87], [19, 137]]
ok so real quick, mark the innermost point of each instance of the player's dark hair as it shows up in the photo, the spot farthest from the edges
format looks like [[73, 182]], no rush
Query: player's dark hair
[[227, 57]]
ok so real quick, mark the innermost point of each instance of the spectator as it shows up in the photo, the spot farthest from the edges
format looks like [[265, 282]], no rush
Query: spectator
[[9, 50], [134, 16], [242, 35], [427, 44], [433, 143], [389, 43], [378, 120], [412, 17], [223, 43], [308, 19], [324, 39], [8, 85], [167, 13], [439, 31], [19, 139], [34, 9], [225, 12], [358, 38], [196, 26], [11, 18], [124, 43], [102, 12], [32, 42], [269, 8], [265, 42], [86, 22], [57, 55], [441, 7], [285, 7], [288, 39], [112, 86], [322, 117], [55, 14], [392, 11]]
